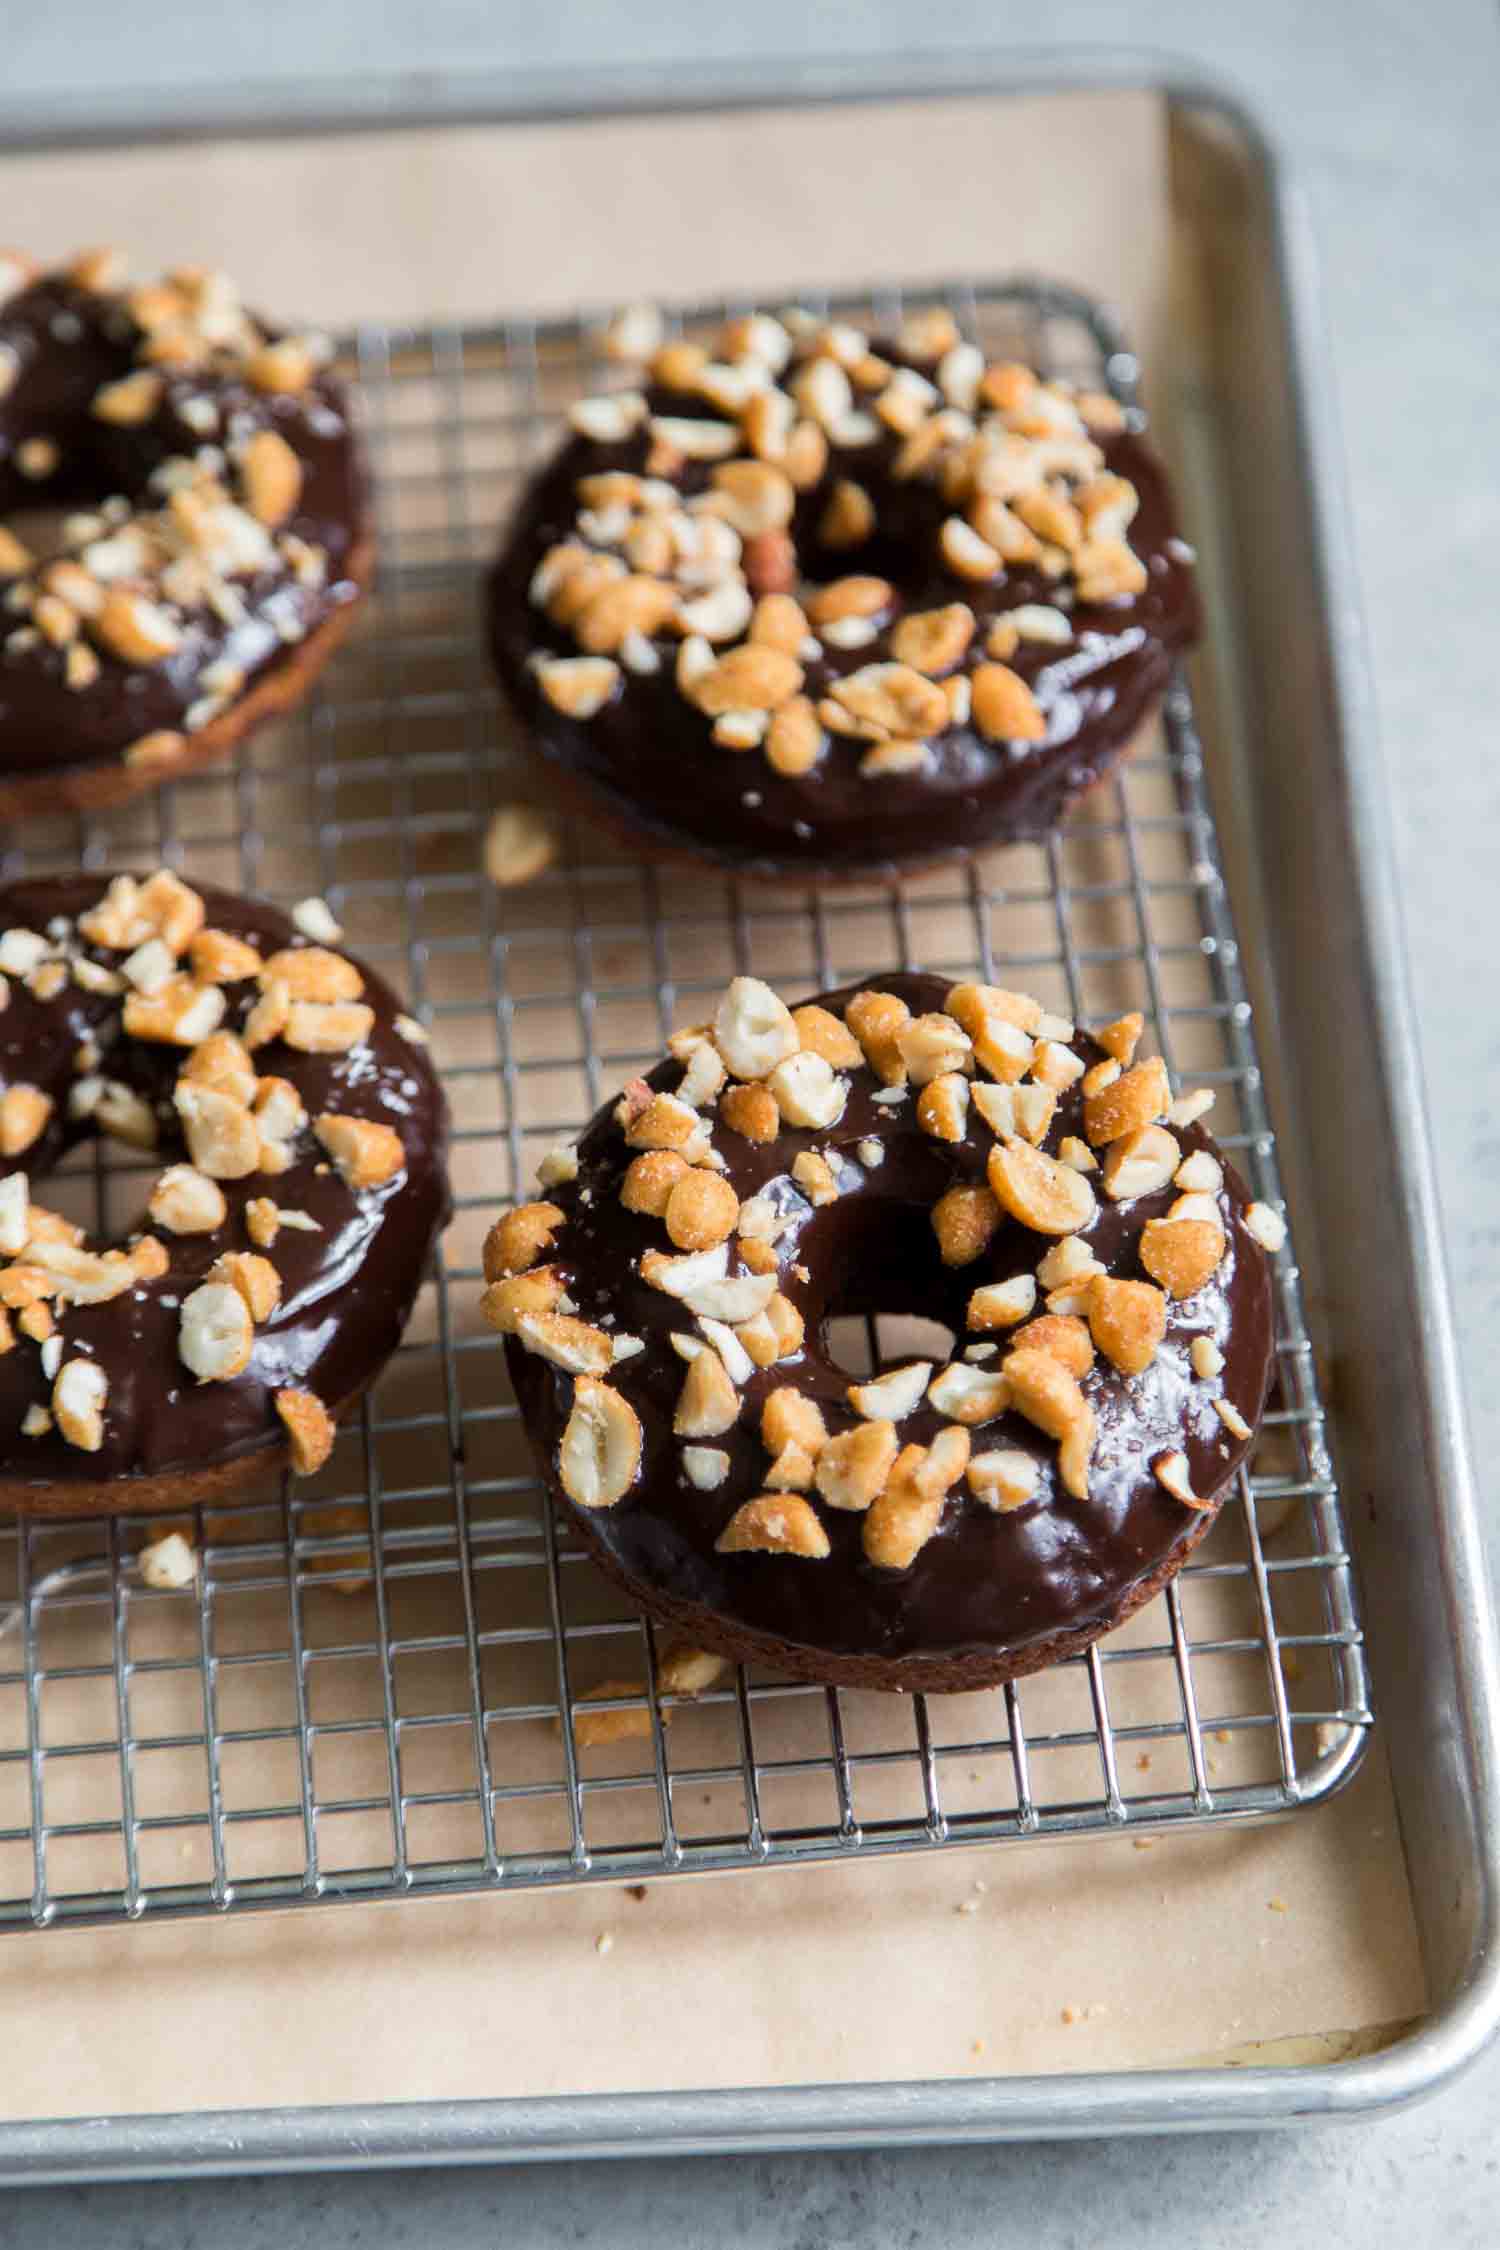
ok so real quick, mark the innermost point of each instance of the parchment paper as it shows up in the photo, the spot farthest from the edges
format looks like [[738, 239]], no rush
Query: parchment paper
[[1024, 1959]]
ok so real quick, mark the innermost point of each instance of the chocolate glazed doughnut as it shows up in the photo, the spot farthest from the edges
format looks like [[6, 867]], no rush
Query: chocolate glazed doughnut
[[218, 537], [948, 1152], [300, 1135], [809, 606]]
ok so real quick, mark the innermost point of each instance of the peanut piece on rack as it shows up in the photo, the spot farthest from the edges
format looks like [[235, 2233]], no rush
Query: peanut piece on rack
[[519, 844]]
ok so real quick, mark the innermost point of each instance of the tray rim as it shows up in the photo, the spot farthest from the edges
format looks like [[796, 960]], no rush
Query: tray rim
[[892, 2113]]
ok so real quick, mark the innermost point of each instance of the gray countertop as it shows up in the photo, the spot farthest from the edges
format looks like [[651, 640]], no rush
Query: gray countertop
[[1389, 115]]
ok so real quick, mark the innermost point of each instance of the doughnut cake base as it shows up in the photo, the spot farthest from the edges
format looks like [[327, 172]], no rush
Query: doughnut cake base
[[292, 1140], [995, 1590]]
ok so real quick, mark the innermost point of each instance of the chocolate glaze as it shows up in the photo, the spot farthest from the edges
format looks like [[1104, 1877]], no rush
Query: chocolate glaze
[[986, 1583], [346, 1291], [648, 759], [67, 342]]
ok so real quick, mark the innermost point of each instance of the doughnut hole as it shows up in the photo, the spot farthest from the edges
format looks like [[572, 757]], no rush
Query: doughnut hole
[[891, 1300]]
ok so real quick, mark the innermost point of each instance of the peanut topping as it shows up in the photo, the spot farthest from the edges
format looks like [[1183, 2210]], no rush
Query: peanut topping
[[774, 1523], [309, 1427], [753, 1029], [752, 678], [790, 1419], [216, 957], [877, 1020], [79, 1394], [647, 1187], [516, 1242], [906, 1514], [504, 1302], [185, 1201], [221, 1134], [272, 477], [366, 1154], [964, 1221], [600, 1453], [1136, 1098], [256, 1279], [25, 1112], [1005, 710], [1139, 1163], [311, 972], [708, 1404], [1127, 1320], [701, 1210], [934, 640], [1063, 1335], [1048, 1197], [1182, 1254], [822, 1034], [215, 1334], [1047, 1393], [1121, 1038]]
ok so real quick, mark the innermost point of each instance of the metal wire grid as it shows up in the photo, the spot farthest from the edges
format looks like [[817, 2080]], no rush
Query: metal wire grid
[[373, 1688]]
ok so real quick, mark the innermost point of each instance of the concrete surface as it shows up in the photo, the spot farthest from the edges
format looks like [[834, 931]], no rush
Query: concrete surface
[[1390, 114]]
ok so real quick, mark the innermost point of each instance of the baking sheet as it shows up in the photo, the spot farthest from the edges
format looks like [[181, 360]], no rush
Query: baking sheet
[[1273, 1932]]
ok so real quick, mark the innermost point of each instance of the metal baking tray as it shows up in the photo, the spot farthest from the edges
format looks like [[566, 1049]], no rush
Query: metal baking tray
[[1302, 832]]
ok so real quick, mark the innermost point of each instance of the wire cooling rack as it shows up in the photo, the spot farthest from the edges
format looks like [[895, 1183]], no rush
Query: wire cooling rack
[[373, 1688]]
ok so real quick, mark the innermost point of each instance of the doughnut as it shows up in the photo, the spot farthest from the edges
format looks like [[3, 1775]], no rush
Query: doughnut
[[947, 1153], [208, 534], [293, 1135], [815, 606]]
